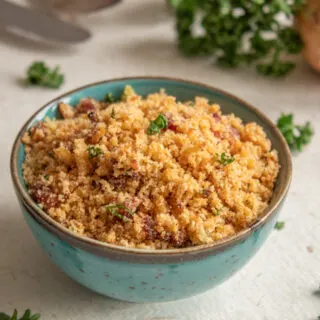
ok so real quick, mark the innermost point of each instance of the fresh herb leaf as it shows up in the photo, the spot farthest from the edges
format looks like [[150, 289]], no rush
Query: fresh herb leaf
[[114, 210], [113, 114], [279, 225], [153, 128], [40, 74], [224, 159], [26, 316], [4, 316], [296, 136], [217, 212], [46, 176], [227, 27], [94, 151], [157, 125], [109, 98]]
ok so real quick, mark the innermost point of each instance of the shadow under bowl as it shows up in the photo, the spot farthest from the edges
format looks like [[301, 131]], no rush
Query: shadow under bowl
[[138, 275]]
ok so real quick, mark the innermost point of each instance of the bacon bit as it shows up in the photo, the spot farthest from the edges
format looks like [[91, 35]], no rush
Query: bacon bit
[[132, 174], [95, 184], [216, 117], [217, 134], [85, 106], [179, 207], [44, 195], [121, 182], [179, 239], [93, 116], [235, 133], [172, 126], [132, 203], [66, 111], [148, 227]]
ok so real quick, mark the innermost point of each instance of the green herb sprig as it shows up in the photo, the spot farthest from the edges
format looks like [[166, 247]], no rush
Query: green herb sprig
[[228, 26], [26, 316], [40, 74], [297, 136], [109, 98], [217, 211], [224, 159], [94, 151], [157, 125], [114, 210], [113, 113], [279, 225]]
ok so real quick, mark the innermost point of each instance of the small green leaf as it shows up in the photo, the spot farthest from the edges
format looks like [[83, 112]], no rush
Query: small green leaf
[[15, 315], [217, 211], [109, 98], [224, 159], [113, 114], [114, 210], [94, 151], [157, 125], [279, 225], [39, 74], [26, 315], [297, 136], [4, 316], [153, 128]]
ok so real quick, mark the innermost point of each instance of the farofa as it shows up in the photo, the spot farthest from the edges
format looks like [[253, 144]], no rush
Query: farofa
[[98, 172]]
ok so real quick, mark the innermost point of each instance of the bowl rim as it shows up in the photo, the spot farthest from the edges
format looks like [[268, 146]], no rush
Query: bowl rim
[[217, 246]]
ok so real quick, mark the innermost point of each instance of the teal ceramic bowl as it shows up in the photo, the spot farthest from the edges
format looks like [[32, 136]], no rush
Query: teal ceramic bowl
[[138, 275]]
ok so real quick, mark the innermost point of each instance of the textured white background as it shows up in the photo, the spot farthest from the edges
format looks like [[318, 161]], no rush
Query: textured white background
[[137, 38]]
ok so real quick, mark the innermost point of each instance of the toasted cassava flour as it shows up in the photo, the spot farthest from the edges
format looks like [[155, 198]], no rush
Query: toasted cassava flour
[[150, 172]]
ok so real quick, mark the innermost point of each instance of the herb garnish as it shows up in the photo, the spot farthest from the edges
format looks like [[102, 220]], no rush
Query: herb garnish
[[224, 159], [217, 212], [156, 125], [296, 136], [26, 316], [114, 210], [279, 225], [46, 176], [109, 98], [94, 151], [40, 74], [229, 26], [113, 114]]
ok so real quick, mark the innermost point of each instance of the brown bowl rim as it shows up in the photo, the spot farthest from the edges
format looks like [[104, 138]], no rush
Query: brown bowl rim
[[218, 246]]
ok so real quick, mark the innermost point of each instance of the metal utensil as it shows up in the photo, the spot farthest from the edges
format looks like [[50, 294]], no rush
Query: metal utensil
[[40, 23], [77, 6]]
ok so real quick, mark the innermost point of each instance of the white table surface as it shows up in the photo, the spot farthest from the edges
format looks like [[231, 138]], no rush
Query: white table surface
[[137, 38]]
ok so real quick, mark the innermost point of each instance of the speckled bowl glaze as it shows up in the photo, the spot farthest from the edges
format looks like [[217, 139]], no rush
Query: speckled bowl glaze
[[138, 275]]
